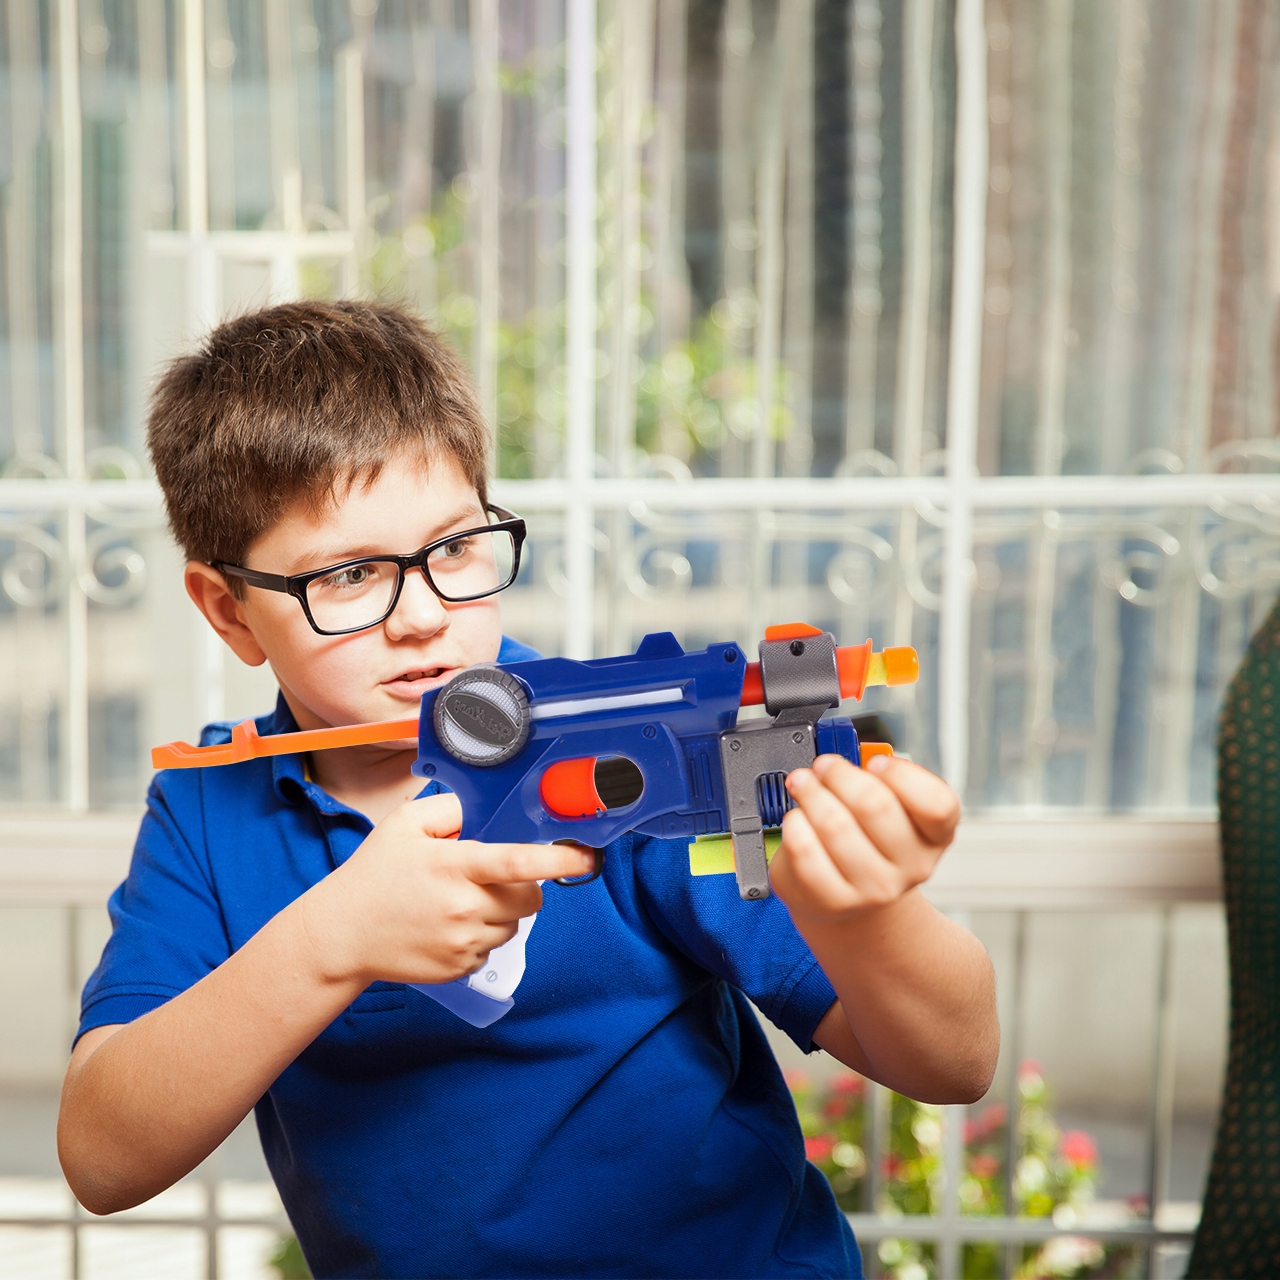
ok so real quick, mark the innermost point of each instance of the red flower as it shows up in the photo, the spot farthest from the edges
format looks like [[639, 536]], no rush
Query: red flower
[[819, 1148], [1079, 1148], [847, 1082], [988, 1122], [984, 1166], [836, 1108], [992, 1117]]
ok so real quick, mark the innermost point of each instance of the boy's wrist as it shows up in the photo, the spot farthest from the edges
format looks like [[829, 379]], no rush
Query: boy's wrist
[[325, 942]]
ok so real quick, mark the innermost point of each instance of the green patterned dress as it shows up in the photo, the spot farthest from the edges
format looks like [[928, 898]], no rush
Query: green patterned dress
[[1239, 1232]]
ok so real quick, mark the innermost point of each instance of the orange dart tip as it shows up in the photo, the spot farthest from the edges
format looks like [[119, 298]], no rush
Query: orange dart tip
[[899, 665]]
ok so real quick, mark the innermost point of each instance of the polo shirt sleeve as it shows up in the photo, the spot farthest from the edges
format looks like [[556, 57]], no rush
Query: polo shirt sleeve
[[752, 945], [167, 930]]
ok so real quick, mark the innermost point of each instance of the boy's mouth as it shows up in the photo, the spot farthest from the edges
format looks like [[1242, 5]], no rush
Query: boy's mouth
[[414, 683]]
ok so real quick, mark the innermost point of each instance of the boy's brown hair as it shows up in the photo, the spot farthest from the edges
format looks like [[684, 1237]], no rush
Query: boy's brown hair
[[300, 401]]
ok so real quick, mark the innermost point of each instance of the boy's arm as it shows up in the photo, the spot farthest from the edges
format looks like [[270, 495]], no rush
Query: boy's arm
[[144, 1103], [916, 992]]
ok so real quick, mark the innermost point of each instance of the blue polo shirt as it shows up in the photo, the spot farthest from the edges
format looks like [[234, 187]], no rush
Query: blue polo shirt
[[626, 1118]]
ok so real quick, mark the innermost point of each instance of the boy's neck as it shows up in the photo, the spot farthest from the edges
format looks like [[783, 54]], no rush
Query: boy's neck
[[371, 780]]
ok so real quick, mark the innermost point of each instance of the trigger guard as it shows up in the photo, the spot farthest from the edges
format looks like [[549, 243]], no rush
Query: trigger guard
[[570, 881]]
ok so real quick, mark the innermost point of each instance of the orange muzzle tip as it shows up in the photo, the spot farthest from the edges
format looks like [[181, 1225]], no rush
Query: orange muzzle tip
[[901, 665]]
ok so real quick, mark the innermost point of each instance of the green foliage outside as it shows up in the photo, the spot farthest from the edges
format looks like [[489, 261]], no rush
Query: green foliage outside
[[688, 398], [1055, 1176]]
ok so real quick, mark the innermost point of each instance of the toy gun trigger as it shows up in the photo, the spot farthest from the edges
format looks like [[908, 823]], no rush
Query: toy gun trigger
[[247, 744]]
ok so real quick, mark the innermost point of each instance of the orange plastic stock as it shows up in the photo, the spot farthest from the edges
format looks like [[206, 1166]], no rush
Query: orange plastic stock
[[247, 744]]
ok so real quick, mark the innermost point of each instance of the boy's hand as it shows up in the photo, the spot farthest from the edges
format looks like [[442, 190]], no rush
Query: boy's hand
[[414, 904], [860, 838]]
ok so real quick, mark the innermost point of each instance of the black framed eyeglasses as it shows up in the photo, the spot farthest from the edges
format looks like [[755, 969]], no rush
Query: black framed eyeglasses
[[358, 594]]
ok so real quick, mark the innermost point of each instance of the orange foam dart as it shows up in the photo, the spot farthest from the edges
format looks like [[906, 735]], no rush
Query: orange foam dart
[[857, 666], [247, 744]]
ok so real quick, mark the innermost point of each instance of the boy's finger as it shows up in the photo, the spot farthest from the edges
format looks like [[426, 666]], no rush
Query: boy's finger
[[928, 800], [439, 816], [804, 863], [491, 937], [851, 876], [512, 902], [849, 808], [514, 863]]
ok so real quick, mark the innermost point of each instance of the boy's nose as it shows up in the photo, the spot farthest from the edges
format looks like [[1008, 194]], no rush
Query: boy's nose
[[419, 611]]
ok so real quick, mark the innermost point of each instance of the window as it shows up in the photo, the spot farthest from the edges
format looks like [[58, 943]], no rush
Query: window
[[943, 322]]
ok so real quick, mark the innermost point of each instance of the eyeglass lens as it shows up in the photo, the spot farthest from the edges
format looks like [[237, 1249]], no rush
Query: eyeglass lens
[[360, 595]]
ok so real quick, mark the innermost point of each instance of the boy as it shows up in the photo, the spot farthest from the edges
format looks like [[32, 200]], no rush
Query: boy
[[627, 1116]]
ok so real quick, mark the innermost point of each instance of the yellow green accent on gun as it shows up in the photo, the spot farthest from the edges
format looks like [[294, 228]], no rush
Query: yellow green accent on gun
[[713, 855]]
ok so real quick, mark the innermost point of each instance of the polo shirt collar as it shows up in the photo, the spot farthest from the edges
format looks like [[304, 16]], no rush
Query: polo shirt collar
[[288, 777]]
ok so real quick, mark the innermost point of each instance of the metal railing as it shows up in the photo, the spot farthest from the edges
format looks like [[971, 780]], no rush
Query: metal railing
[[1011, 864]]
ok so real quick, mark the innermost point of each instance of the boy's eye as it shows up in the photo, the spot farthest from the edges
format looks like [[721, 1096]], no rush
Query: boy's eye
[[458, 547], [358, 575]]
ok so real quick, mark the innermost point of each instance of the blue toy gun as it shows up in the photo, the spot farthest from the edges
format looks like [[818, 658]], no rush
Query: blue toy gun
[[553, 749]]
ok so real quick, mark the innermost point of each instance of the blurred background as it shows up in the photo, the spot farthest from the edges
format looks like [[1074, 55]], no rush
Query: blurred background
[[947, 322]]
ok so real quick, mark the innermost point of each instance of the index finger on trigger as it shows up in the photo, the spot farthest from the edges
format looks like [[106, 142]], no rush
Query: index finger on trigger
[[517, 863], [930, 803]]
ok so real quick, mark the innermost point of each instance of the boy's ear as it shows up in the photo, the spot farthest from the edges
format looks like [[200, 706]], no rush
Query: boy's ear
[[209, 593]]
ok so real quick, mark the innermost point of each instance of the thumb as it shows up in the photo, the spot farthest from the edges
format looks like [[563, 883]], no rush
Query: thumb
[[439, 816]]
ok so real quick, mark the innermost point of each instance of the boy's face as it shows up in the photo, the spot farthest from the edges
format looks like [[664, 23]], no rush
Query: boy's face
[[382, 672]]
